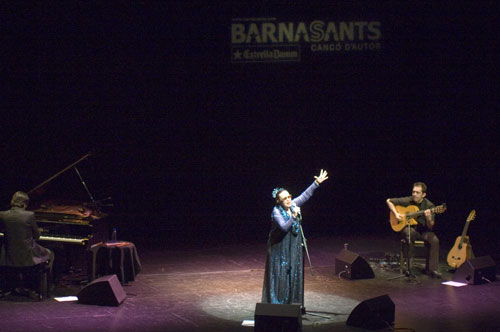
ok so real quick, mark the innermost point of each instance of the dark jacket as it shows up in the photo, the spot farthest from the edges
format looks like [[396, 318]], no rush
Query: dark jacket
[[21, 231]]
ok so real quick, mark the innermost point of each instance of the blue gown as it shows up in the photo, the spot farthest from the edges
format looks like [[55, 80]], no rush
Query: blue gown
[[284, 273]]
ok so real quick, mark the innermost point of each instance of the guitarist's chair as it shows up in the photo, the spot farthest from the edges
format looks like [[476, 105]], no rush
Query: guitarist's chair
[[420, 253]]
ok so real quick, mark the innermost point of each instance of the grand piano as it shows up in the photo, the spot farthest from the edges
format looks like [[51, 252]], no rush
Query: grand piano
[[69, 227], [71, 222]]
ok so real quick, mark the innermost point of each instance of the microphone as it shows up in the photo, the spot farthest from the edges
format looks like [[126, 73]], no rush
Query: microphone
[[298, 212]]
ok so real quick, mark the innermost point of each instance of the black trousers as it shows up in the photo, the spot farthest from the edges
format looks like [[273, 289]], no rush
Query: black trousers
[[433, 243]]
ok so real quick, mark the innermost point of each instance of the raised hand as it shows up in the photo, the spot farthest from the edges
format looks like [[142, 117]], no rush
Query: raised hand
[[323, 175]]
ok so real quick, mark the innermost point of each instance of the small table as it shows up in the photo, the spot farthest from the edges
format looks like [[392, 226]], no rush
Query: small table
[[118, 258]]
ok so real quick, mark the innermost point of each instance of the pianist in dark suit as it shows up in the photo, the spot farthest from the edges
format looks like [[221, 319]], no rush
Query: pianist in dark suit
[[21, 232]]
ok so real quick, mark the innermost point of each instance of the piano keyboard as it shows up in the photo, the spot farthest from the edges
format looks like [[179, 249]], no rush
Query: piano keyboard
[[81, 241]]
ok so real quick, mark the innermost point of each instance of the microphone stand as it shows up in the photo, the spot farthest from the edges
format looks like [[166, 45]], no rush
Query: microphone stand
[[304, 242], [407, 273]]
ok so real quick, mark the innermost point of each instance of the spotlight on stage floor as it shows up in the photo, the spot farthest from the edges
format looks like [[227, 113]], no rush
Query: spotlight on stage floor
[[240, 306]]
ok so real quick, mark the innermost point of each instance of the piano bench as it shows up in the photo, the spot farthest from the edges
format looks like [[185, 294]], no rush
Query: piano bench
[[33, 277]]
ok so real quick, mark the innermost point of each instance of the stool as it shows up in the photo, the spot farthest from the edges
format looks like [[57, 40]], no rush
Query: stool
[[418, 254], [118, 258], [27, 277]]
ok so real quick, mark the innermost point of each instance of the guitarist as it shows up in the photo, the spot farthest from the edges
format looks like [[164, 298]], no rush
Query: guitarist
[[423, 230]]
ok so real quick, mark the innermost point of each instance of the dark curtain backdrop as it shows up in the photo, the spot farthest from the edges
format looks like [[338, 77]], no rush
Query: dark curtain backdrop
[[190, 145]]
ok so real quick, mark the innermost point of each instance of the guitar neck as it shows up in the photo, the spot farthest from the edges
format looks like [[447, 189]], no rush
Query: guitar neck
[[421, 212], [415, 214], [464, 232]]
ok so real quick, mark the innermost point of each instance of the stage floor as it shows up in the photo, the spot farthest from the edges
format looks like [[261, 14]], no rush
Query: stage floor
[[217, 288]]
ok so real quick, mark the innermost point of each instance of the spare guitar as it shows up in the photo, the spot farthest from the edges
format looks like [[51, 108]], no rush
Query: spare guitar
[[410, 212], [462, 250]]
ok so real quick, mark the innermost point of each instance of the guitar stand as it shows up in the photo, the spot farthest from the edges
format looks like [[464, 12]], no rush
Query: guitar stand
[[407, 273]]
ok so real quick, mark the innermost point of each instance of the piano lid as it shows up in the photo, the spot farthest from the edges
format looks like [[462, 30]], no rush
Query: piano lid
[[53, 208]]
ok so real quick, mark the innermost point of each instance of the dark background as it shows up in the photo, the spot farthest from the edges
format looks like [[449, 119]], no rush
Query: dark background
[[189, 146]]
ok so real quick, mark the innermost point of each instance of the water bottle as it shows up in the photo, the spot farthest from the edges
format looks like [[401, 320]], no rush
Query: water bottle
[[113, 235]]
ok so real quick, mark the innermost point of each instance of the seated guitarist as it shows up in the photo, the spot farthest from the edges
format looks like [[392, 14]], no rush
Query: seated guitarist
[[423, 230]]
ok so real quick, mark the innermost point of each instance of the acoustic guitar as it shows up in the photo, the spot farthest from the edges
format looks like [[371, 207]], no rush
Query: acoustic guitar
[[461, 250], [410, 212]]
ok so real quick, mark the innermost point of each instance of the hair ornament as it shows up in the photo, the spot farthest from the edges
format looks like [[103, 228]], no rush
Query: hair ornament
[[276, 190]]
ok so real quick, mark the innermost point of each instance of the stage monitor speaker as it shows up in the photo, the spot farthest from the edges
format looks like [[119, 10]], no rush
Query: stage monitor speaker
[[350, 265], [373, 314], [476, 271], [106, 290], [277, 317]]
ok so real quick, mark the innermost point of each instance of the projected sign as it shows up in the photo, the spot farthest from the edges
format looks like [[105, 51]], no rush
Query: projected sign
[[269, 39]]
